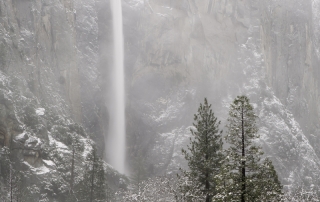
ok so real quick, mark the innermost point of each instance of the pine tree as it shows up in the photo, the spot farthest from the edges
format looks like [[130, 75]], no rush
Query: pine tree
[[153, 189], [77, 148], [266, 184], [11, 179], [93, 186], [139, 172], [204, 156], [100, 185], [247, 178], [5, 164], [301, 194]]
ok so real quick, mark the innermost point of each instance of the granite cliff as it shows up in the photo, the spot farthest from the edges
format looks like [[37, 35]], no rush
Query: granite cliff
[[219, 49], [56, 55]]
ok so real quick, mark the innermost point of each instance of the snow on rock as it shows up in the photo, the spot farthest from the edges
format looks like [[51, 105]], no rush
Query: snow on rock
[[60, 146], [40, 111], [49, 163], [281, 136], [135, 4], [164, 110], [40, 170], [87, 147], [166, 115], [21, 137], [33, 142], [283, 139], [167, 109]]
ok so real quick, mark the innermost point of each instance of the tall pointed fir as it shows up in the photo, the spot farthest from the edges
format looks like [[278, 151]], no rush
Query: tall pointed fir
[[204, 156], [139, 173], [247, 178], [267, 185], [77, 149], [11, 180], [93, 186]]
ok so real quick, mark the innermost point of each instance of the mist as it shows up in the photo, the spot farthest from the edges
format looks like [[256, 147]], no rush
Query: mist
[[103, 89]]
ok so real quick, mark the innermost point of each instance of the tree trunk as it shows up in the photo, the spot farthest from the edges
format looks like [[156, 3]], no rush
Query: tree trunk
[[92, 176], [243, 173], [207, 189], [207, 158], [72, 170], [11, 184]]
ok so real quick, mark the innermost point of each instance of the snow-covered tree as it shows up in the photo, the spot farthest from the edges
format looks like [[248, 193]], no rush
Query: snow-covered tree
[[266, 185], [93, 186], [245, 177], [160, 189], [11, 185], [204, 156], [188, 190], [139, 172], [77, 148], [301, 194]]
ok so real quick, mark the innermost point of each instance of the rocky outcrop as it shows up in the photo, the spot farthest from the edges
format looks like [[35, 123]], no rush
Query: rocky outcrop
[[289, 46]]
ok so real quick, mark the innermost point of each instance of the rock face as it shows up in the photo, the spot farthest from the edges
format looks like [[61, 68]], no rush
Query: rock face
[[57, 55], [50, 90], [219, 49], [49, 49], [38, 49]]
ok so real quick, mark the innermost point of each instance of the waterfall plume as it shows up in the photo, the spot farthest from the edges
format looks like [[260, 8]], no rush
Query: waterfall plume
[[116, 137]]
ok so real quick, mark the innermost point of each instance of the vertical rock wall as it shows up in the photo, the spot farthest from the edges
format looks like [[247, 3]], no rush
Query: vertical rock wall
[[39, 41], [289, 47]]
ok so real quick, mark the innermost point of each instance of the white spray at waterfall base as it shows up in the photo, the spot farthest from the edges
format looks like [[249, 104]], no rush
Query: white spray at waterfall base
[[115, 142]]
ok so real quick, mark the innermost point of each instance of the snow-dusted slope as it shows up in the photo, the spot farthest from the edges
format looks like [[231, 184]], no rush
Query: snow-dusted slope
[[220, 49], [281, 136], [50, 90]]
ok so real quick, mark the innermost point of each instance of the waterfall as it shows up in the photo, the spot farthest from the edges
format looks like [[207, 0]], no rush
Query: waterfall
[[116, 137]]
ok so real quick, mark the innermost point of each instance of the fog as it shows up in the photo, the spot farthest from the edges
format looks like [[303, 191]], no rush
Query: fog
[[133, 101]]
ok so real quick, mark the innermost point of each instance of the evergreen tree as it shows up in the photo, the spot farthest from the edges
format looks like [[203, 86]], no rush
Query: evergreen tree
[[11, 179], [266, 184], [246, 177], [153, 189], [204, 156], [301, 194], [5, 164], [93, 186], [139, 172], [77, 148]]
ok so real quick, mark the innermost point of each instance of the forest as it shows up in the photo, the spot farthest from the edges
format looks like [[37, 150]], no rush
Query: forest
[[237, 172]]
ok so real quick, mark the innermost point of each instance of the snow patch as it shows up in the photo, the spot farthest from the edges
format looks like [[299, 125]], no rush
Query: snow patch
[[39, 171], [60, 146], [136, 4], [40, 111], [21, 137], [49, 163], [87, 148]]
